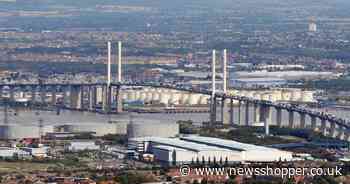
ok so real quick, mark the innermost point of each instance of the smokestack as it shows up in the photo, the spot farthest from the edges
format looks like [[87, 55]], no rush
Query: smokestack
[[119, 61], [213, 72], [109, 65], [225, 71]]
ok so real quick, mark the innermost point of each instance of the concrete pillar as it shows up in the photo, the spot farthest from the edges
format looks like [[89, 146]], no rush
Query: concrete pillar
[[82, 93], [302, 120], [213, 111], [104, 98], [291, 119], [313, 122], [246, 113], [92, 98], [324, 127], [75, 97], [239, 112], [22, 92], [65, 89], [43, 94], [333, 130], [279, 117], [12, 93], [119, 100], [231, 112], [33, 89], [53, 96], [266, 116], [224, 117], [256, 113]]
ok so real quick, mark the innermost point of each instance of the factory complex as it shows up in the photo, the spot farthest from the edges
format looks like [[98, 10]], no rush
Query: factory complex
[[192, 149]]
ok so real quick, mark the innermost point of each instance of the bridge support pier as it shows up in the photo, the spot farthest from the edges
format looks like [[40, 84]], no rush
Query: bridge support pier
[[256, 113], [75, 97], [324, 127], [224, 118], [23, 91], [333, 130], [104, 99], [239, 112], [302, 120], [232, 121], [291, 119], [213, 111], [246, 113], [119, 100], [92, 98], [43, 94], [279, 117], [265, 116], [313, 123], [65, 99], [82, 95], [33, 91], [53, 96], [12, 94]]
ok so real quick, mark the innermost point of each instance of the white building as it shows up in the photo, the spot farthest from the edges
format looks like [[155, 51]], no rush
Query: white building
[[37, 152], [205, 149], [7, 152], [257, 82], [75, 146]]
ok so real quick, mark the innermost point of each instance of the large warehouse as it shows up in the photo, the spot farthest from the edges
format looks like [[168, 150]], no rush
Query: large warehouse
[[207, 149]]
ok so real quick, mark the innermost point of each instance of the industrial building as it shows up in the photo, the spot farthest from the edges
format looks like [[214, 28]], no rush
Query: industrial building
[[6, 152], [204, 149], [258, 82], [75, 146], [158, 129], [99, 129]]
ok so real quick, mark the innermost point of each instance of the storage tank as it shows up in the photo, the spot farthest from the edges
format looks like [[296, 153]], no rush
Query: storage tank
[[296, 95], [185, 98], [308, 96], [286, 95], [137, 95], [175, 98], [203, 100], [165, 98]]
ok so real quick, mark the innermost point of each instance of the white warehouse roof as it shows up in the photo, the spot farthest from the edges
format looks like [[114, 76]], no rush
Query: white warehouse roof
[[177, 143], [228, 144]]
